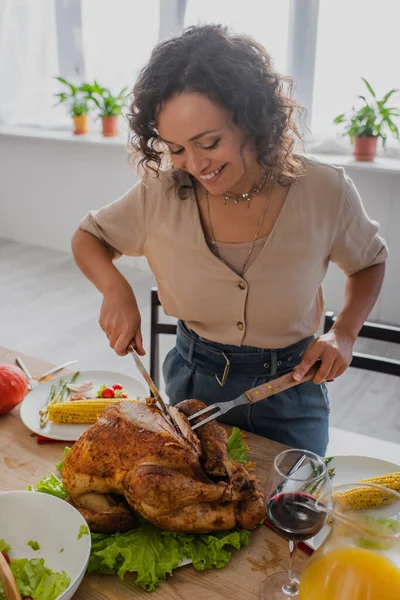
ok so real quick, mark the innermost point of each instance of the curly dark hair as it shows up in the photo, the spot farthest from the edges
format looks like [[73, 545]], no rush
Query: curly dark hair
[[231, 69]]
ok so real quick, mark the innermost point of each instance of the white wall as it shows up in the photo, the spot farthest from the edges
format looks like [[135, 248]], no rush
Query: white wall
[[47, 185]]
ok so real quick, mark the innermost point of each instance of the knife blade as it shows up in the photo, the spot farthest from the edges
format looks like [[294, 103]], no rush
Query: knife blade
[[151, 385]]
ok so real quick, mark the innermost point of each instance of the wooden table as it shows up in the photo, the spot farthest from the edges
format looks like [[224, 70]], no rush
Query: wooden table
[[24, 462]]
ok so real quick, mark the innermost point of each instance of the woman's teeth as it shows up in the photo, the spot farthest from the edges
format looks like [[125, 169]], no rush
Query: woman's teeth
[[211, 175]]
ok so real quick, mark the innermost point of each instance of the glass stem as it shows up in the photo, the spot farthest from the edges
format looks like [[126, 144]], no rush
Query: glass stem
[[291, 588]]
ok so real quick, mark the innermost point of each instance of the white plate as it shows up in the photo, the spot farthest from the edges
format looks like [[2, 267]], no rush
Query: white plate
[[36, 399], [351, 469], [54, 524]]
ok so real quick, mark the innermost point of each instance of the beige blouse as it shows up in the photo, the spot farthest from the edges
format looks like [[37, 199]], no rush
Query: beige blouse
[[279, 301], [236, 254]]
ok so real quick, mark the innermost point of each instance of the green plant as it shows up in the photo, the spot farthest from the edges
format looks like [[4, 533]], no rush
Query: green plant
[[372, 119], [74, 97], [109, 105]]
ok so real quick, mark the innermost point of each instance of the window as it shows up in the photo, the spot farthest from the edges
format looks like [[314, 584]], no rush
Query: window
[[117, 40], [28, 62], [266, 21], [355, 39], [326, 45]]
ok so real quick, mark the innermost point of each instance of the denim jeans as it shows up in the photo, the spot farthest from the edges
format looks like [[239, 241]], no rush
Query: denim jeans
[[298, 417]]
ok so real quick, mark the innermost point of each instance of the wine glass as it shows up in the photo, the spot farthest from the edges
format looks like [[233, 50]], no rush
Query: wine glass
[[296, 480]]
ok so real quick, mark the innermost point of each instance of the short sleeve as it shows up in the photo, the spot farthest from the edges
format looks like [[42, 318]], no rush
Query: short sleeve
[[357, 244], [121, 224]]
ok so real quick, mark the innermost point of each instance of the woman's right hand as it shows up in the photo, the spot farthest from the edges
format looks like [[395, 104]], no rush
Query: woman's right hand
[[120, 319]]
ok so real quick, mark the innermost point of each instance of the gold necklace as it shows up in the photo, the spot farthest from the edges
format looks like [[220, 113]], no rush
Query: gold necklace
[[213, 240], [247, 196]]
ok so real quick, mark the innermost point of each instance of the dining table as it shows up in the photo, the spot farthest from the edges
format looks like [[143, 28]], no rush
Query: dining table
[[24, 462]]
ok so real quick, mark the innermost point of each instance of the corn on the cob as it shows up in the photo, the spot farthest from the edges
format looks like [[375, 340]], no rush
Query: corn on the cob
[[80, 411], [368, 497]]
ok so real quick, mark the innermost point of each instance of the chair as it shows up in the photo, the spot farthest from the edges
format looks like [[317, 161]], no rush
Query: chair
[[157, 328], [373, 331]]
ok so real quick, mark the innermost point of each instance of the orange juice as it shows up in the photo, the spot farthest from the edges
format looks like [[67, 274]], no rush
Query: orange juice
[[348, 573]]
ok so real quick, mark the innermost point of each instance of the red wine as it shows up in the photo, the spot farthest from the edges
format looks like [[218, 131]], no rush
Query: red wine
[[293, 515]]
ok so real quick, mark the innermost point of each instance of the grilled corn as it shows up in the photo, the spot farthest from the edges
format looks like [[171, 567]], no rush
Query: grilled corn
[[80, 411], [368, 497]]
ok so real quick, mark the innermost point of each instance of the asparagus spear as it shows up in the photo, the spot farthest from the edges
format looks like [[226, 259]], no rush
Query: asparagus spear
[[55, 396]]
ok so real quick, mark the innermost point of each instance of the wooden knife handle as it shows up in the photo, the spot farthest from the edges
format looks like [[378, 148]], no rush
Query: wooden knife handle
[[7, 579], [279, 385]]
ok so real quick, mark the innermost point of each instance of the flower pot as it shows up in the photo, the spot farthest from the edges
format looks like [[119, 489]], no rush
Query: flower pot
[[110, 126], [80, 124], [365, 148]]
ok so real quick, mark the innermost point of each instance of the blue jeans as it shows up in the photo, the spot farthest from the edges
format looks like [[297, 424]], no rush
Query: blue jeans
[[298, 417]]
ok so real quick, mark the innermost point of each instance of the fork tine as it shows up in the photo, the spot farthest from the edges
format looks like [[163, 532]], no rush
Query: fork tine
[[204, 421], [204, 411]]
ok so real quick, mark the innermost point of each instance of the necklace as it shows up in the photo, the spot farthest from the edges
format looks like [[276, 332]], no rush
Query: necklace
[[247, 196], [257, 233]]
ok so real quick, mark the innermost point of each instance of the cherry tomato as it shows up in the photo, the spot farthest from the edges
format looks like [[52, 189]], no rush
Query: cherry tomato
[[117, 386], [124, 395], [107, 393], [6, 557]]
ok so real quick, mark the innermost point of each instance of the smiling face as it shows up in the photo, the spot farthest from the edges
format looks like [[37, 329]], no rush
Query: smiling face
[[204, 141]]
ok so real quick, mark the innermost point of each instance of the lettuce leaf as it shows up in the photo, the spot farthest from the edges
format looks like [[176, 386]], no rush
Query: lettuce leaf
[[4, 547], [379, 528], [237, 449], [83, 530], [208, 551], [60, 465], [153, 554], [36, 580], [50, 484], [146, 551], [34, 545]]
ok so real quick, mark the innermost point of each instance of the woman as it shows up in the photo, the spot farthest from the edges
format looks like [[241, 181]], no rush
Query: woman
[[238, 231]]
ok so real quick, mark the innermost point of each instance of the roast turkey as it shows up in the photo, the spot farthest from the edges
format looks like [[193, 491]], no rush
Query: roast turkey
[[134, 458]]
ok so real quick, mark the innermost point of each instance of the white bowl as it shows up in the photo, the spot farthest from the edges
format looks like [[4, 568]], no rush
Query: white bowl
[[51, 522]]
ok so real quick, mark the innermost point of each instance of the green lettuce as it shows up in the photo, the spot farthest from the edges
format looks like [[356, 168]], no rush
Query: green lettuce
[[208, 551], [60, 465], [144, 550], [4, 547], [50, 484], [237, 449], [34, 545], [36, 580], [83, 530], [379, 527], [153, 554]]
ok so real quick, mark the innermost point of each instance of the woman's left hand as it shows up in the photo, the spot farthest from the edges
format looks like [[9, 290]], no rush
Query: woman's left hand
[[334, 349]]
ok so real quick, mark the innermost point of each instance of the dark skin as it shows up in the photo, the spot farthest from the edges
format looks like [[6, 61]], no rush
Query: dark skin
[[203, 140]]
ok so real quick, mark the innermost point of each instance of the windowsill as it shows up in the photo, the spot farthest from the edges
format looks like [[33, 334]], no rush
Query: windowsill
[[62, 135], [380, 164]]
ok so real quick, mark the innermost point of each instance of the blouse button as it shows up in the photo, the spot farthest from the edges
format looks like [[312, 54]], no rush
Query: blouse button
[[240, 325], [242, 285]]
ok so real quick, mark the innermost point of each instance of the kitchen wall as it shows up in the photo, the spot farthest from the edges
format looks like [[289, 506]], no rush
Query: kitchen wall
[[48, 184]]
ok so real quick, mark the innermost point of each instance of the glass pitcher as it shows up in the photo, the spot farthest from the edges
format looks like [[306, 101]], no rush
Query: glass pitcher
[[360, 558]]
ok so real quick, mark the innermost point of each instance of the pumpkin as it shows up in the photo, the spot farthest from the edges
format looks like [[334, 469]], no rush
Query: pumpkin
[[13, 387]]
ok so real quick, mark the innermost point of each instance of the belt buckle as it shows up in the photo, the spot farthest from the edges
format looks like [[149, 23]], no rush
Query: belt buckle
[[226, 371]]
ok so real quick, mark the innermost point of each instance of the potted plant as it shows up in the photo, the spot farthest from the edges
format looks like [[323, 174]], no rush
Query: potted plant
[[365, 125], [110, 106], [77, 101]]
